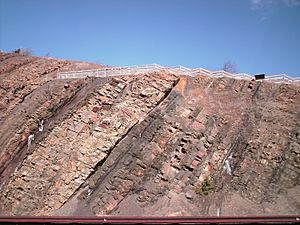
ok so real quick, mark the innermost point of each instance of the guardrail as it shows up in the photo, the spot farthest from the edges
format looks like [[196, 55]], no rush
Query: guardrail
[[177, 70], [280, 219]]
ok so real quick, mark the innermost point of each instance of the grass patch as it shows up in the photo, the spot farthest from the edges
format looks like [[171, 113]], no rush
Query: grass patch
[[205, 188]]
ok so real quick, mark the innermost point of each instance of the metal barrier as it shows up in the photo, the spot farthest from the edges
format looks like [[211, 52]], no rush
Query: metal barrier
[[177, 70], [273, 219]]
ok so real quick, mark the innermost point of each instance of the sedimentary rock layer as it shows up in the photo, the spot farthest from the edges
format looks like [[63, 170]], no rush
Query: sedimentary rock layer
[[153, 144]]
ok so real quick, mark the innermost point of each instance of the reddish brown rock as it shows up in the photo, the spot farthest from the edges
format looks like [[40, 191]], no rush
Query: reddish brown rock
[[156, 143]]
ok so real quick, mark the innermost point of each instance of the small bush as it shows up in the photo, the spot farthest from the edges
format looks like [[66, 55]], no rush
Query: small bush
[[229, 67], [205, 188], [23, 51], [18, 50]]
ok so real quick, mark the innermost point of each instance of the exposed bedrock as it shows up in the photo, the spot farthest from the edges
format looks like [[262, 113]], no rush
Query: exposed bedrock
[[153, 144]]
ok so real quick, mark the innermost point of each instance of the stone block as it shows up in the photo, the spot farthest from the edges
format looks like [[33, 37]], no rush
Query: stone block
[[190, 194], [194, 164], [201, 154]]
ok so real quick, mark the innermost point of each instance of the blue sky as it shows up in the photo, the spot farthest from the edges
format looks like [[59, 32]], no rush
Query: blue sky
[[258, 36]]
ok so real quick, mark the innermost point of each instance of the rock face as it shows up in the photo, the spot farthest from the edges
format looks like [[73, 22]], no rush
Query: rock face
[[153, 144]]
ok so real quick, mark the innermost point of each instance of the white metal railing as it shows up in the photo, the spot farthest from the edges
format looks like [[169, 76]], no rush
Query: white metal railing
[[177, 70]]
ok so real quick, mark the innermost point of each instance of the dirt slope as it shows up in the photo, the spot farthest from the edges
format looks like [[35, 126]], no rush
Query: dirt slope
[[154, 144]]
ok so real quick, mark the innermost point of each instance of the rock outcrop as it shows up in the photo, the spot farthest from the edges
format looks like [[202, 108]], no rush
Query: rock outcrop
[[154, 144]]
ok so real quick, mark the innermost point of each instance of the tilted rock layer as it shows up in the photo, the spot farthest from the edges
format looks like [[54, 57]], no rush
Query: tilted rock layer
[[153, 144]]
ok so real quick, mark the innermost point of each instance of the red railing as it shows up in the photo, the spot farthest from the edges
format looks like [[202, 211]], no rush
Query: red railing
[[291, 219]]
